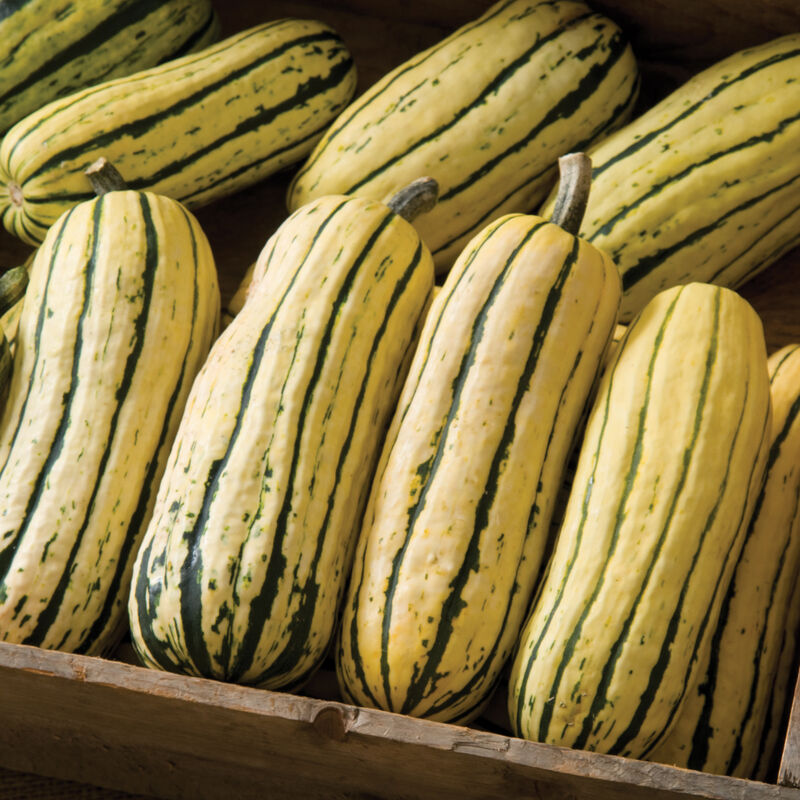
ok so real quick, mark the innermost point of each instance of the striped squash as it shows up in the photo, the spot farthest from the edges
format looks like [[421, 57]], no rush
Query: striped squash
[[194, 129], [49, 52], [118, 316], [773, 735], [668, 471], [619, 332], [6, 365], [459, 511], [720, 725], [486, 112], [705, 186], [242, 567]]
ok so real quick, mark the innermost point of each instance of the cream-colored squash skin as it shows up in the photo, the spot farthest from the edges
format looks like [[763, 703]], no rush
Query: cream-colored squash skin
[[237, 301], [486, 112], [242, 568], [195, 128], [705, 186], [720, 725], [118, 317], [572, 462], [668, 472], [459, 511]]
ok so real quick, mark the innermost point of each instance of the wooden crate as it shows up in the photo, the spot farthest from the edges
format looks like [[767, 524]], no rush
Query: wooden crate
[[125, 727], [117, 725]]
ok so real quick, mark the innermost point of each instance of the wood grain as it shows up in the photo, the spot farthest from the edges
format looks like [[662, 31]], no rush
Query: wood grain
[[789, 770], [152, 733], [16, 785]]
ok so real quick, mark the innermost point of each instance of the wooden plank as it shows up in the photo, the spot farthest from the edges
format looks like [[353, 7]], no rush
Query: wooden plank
[[137, 730], [26, 786], [789, 770]]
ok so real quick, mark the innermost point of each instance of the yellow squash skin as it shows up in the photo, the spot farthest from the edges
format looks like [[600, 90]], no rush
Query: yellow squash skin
[[720, 725], [459, 511], [194, 129], [50, 51], [119, 314], [241, 571], [486, 112], [705, 186], [667, 475]]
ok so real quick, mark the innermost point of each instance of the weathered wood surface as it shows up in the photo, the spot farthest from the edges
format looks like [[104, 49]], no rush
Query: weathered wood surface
[[789, 770], [152, 733], [26, 786]]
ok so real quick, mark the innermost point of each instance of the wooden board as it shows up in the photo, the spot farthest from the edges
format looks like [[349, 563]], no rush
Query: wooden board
[[121, 726], [789, 770]]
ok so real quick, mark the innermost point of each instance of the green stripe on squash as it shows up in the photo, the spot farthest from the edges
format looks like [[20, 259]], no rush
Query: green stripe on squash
[[705, 186], [49, 53], [553, 78], [271, 91], [459, 512]]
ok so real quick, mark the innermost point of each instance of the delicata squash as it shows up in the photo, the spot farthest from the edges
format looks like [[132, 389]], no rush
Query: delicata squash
[[195, 128], [54, 50], [669, 468], [119, 314], [459, 512], [486, 112], [242, 568], [720, 727], [705, 186]]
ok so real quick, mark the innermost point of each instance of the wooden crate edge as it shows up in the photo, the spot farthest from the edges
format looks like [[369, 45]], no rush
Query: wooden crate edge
[[130, 718]]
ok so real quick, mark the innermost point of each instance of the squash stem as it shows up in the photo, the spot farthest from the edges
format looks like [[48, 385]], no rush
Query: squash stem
[[575, 178], [6, 365], [417, 198], [15, 194], [105, 177], [13, 284]]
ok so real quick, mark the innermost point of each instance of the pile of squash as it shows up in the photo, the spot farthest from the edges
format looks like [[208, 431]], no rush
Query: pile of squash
[[371, 457]]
